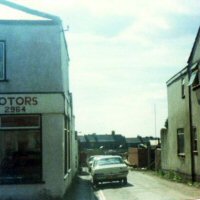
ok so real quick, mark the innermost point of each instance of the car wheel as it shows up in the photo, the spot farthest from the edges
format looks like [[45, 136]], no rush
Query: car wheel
[[125, 181], [95, 182]]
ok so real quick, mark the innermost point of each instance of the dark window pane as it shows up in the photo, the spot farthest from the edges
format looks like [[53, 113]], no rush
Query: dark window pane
[[180, 140], [67, 145], [20, 149], [1, 60], [183, 88], [181, 143], [1, 51], [195, 145], [194, 139], [20, 156]]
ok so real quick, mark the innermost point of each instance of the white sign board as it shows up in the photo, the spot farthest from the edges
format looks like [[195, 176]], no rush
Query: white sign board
[[31, 103]]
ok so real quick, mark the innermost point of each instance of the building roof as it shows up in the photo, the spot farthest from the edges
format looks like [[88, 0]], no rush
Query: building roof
[[194, 55], [133, 140], [193, 60], [105, 138], [91, 138], [81, 138], [12, 11], [119, 138]]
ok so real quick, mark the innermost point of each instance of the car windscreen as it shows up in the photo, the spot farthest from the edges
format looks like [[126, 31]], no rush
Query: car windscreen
[[109, 161]]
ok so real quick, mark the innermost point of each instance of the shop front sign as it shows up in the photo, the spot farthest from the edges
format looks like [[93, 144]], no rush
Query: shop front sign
[[31, 103]]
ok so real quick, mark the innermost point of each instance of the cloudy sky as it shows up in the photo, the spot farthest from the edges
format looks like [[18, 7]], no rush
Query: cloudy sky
[[122, 52]]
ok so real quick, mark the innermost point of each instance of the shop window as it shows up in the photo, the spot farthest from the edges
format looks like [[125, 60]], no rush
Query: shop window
[[183, 88], [195, 149], [180, 141], [20, 149], [2, 60]]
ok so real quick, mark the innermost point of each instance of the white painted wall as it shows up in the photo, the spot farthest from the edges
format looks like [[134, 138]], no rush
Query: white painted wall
[[33, 58], [37, 64], [53, 150]]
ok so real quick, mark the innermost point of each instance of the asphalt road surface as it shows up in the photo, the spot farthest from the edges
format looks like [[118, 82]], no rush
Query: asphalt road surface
[[144, 186]]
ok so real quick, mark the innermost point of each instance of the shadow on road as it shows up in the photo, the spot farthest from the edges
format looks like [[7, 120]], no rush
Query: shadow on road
[[112, 185], [81, 188]]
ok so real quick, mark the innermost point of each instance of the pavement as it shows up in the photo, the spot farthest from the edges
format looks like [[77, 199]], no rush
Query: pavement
[[81, 188]]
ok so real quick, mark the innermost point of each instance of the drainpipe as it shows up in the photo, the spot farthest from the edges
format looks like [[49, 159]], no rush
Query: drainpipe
[[191, 126]]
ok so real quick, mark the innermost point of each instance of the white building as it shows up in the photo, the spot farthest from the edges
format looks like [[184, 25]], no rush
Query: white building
[[38, 146]]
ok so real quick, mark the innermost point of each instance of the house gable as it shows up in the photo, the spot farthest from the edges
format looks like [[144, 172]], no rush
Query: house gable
[[195, 53]]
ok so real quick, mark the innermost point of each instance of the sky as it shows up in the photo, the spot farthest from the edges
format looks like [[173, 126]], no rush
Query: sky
[[122, 52]]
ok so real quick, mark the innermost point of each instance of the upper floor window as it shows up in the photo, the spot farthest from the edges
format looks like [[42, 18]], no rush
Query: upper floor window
[[2, 60], [183, 88], [194, 132], [195, 79]]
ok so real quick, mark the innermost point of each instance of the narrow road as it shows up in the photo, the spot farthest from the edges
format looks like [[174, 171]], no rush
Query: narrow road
[[143, 186]]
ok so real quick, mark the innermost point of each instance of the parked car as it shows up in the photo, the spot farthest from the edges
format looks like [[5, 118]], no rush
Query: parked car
[[109, 168], [89, 162]]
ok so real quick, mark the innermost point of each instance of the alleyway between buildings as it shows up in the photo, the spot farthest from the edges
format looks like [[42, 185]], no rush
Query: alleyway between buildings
[[141, 186]]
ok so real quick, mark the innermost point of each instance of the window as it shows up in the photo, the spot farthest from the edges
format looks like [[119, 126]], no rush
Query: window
[[183, 88], [20, 149], [180, 141], [109, 161], [76, 135], [67, 145], [2, 60], [194, 79], [194, 132]]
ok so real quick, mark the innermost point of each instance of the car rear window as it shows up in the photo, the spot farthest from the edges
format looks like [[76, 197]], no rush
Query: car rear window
[[109, 161]]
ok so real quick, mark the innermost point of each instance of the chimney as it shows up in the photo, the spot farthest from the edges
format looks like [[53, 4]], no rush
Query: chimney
[[113, 133]]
